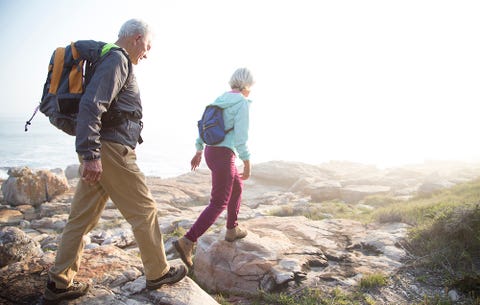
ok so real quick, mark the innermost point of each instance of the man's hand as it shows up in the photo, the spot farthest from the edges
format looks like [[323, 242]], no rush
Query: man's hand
[[196, 160], [92, 171], [246, 170]]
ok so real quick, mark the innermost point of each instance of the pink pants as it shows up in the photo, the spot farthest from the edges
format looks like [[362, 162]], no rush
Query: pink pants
[[226, 192]]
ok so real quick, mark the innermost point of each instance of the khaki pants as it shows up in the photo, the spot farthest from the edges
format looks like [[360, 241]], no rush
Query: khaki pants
[[125, 184]]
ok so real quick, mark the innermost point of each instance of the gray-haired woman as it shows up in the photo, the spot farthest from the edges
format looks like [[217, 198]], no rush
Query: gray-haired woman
[[227, 182]]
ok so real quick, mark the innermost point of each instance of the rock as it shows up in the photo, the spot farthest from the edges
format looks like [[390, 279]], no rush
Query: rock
[[185, 292], [29, 212], [355, 193], [431, 187], [190, 189], [115, 276], [25, 186], [49, 209], [55, 223], [72, 171], [24, 282], [453, 296], [16, 246], [10, 217], [279, 251], [318, 190]]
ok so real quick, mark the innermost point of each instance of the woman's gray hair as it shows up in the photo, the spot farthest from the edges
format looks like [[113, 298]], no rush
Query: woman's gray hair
[[134, 26], [241, 78]]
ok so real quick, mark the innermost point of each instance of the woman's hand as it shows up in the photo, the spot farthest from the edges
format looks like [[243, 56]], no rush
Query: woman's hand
[[196, 160], [246, 170]]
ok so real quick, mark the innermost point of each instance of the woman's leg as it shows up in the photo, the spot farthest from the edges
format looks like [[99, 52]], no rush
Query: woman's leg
[[221, 162]]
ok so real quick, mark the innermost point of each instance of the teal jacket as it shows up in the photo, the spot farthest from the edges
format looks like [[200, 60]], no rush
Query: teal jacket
[[235, 114]]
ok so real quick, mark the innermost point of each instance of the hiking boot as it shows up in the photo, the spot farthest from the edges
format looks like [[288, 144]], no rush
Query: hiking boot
[[175, 274], [235, 233], [77, 289], [184, 247]]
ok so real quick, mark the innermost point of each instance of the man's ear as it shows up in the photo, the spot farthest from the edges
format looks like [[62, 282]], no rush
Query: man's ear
[[138, 38]]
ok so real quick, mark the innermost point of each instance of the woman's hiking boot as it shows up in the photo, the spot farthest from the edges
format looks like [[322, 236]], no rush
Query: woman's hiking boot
[[174, 274], [235, 233], [184, 247], [54, 294]]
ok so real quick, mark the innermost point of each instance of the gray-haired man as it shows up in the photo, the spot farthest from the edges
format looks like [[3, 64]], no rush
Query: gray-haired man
[[109, 169]]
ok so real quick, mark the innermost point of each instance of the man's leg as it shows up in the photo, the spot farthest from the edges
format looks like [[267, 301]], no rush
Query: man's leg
[[128, 190], [85, 210]]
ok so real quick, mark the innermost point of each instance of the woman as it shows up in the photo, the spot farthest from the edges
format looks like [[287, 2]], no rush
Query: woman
[[227, 182]]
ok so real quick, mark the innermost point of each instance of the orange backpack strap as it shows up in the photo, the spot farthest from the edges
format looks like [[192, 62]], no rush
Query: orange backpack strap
[[75, 78], [57, 70]]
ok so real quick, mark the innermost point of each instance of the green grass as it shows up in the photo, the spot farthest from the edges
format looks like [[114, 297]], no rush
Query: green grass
[[445, 234], [307, 296], [374, 280], [423, 210], [178, 232], [313, 297]]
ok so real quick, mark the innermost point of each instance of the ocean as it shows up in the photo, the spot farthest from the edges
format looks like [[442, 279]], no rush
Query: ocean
[[45, 147]]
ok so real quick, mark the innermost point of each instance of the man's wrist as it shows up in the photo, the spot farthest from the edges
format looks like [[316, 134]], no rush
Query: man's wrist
[[90, 158]]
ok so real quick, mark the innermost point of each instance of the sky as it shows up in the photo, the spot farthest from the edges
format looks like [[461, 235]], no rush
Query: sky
[[378, 82]]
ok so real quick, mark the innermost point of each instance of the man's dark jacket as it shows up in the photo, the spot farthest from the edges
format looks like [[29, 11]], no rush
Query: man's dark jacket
[[111, 81]]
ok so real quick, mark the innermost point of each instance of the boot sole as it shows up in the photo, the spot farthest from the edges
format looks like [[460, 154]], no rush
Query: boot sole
[[54, 298], [173, 280]]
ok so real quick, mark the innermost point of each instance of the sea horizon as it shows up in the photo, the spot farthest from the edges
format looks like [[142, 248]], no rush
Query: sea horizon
[[45, 147]]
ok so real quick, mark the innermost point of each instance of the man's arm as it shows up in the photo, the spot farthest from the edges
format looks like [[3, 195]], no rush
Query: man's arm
[[107, 81]]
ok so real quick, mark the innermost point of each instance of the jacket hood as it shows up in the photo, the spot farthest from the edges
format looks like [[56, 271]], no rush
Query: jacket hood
[[229, 99]]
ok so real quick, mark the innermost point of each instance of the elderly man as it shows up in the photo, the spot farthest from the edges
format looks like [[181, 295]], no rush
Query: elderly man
[[108, 129]]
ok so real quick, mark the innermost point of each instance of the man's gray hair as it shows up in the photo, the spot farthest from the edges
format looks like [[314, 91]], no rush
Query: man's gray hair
[[134, 26], [241, 78]]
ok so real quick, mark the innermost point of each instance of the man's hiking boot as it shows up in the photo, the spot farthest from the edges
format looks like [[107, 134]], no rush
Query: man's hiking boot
[[175, 274], [54, 294], [235, 233], [184, 247]]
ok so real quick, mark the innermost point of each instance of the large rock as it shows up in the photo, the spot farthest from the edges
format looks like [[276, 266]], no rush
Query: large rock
[[116, 277], [25, 186], [190, 189], [318, 190], [16, 246], [279, 251]]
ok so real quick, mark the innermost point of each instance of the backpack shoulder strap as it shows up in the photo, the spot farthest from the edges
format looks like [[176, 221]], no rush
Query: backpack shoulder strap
[[111, 46]]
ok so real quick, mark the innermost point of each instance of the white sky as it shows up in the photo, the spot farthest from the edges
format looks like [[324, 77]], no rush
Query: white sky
[[381, 82]]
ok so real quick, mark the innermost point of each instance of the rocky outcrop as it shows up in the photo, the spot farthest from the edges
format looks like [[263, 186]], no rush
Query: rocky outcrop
[[287, 173], [281, 252], [115, 277], [25, 186], [353, 182]]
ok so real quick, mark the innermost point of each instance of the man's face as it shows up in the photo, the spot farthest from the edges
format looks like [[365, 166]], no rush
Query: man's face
[[140, 46]]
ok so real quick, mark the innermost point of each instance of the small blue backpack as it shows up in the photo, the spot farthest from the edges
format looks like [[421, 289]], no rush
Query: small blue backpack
[[211, 127]]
